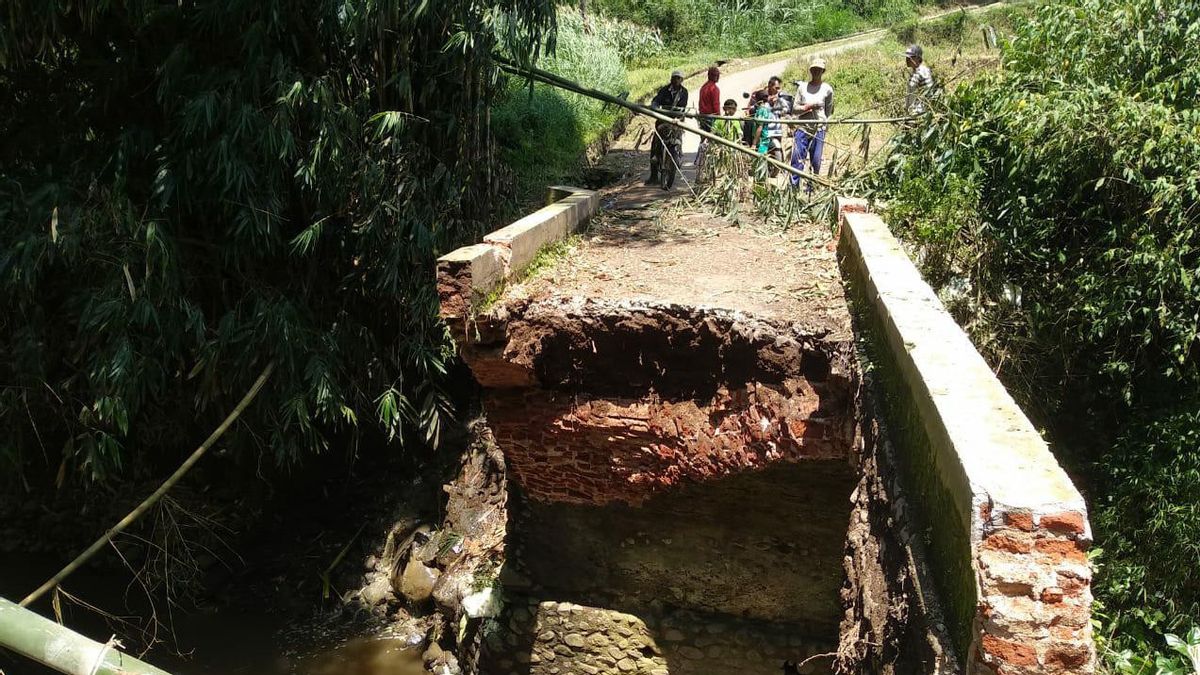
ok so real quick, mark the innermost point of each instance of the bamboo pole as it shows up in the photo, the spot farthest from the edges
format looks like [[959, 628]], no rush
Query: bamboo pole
[[157, 494], [878, 120], [554, 80], [35, 637]]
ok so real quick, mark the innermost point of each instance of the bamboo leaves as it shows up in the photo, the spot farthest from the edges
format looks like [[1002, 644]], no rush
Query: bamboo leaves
[[196, 188]]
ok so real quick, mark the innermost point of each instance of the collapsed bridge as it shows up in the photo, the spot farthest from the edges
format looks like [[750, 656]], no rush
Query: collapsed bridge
[[708, 480]]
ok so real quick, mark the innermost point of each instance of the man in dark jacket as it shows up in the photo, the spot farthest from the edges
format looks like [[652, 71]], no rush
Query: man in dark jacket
[[671, 98]]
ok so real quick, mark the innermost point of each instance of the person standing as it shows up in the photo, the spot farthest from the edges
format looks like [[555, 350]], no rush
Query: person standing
[[710, 104], [920, 82], [710, 98], [814, 101], [670, 99], [763, 116]]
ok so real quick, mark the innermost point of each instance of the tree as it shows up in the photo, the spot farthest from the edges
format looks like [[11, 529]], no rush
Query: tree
[[191, 190]]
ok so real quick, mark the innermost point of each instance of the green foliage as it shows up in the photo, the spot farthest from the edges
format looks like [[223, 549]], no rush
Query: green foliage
[[190, 190], [1087, 181], [636, 43], [544, 130], [1057, 203], [746, 27], [1183, 658], [1147, 519], [960, 28]]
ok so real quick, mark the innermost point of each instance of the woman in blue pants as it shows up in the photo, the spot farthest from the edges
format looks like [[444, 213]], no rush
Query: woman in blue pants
[[814, 101]]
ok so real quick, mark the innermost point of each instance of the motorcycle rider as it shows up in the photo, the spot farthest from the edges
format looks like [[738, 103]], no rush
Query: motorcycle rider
[[672, 97]]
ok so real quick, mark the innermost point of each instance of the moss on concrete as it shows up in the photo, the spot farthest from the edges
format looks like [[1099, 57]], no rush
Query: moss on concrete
[[938, 515]]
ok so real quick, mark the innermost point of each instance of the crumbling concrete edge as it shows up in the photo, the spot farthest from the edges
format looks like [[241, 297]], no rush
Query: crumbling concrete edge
[[1008, 531], [467, 275]]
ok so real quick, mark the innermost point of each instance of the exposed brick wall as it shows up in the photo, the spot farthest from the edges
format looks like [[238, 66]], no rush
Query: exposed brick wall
[[581, 449], [893, 621], [1035, 594]]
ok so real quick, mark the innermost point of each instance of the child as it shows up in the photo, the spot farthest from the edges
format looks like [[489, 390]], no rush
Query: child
[[728, 129], [763, 116], [725, 129]]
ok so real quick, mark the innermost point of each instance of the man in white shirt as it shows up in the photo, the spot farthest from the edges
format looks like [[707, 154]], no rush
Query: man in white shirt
[[814, 101], [920, 83]]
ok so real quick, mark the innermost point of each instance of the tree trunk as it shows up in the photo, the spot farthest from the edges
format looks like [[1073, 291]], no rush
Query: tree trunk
[[587, 25]]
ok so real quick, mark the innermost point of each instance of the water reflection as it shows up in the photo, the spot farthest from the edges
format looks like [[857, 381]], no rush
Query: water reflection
[[365, 657]]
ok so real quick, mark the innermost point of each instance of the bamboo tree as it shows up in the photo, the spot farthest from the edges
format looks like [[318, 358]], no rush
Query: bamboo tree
[[190, 189]]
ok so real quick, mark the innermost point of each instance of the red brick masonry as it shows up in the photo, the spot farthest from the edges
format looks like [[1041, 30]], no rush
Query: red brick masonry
[[1035, 594], [576, 448]]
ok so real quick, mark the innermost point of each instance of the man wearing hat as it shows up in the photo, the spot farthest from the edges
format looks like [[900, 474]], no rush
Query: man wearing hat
[[671, 98], [814, 101], [920, 83]]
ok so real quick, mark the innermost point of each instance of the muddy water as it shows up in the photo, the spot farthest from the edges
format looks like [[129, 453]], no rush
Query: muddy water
[[215, 642]]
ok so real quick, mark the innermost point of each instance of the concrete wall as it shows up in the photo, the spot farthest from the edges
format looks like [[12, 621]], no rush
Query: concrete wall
[[467, 275], [1007, 532]]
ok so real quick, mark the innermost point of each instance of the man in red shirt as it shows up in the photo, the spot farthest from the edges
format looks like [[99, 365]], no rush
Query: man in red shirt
[[710, 98]]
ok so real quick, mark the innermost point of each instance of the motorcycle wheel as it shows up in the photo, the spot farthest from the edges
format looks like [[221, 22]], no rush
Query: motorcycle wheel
[[668, 171]]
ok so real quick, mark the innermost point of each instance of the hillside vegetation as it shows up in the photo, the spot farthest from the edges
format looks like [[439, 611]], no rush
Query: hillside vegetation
[[1056, 203], [543, 130], [748, 27]]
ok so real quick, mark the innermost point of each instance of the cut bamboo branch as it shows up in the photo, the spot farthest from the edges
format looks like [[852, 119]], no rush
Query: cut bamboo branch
[[142, 508], [55, 646], [549, 78]]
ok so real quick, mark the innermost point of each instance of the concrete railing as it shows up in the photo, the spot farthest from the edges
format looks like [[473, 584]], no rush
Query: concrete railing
[[1007, 532], [467, 275]]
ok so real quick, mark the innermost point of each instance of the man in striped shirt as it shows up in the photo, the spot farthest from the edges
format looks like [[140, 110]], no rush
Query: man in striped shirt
[[920, 83]]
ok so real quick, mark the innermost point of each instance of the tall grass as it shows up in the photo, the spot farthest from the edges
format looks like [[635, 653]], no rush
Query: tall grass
[[732, 28], [544, 131]]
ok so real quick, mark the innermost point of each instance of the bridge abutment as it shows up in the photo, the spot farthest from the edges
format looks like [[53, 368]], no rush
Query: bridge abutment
[[719, 486]]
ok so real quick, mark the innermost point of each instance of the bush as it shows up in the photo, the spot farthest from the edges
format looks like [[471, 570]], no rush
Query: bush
[[1148, 521], [1061, 198], [1087, 186]]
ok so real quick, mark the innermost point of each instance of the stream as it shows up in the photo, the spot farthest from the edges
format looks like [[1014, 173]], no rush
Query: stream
[[222, 641]]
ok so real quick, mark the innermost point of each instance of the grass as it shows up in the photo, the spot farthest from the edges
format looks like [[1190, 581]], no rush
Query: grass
[[739, 28], [546, 258], [544, 131]]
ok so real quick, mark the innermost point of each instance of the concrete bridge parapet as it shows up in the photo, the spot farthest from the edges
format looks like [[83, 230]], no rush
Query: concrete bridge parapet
[[1008, 531]]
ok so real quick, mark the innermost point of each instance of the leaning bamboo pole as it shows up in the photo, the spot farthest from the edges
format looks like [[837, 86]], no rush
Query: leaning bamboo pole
[[142, 508], [551, 79], [55, 646]]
